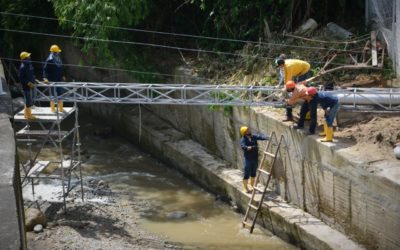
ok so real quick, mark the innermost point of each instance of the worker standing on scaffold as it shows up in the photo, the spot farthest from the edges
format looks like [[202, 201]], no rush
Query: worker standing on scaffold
[[53, 71], [27, 78], [248, 143]]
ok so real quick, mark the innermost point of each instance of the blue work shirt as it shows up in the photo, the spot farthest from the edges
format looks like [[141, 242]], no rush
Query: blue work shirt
[[326, 100], [26, 73], [53, 68], [252, 154]]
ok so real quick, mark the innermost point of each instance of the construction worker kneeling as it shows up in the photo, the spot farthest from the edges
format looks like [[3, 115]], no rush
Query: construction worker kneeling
[[248, 143]]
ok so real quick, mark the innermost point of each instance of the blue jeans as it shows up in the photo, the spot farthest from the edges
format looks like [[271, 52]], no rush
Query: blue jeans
[[332, 114], [250, 169], [28, 95], [306, 107]]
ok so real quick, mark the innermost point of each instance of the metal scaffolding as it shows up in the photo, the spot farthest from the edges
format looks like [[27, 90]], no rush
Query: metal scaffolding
[[370, 99], [46, 129]]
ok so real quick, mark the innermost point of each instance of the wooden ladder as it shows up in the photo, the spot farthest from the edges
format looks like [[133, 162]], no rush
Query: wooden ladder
[[255, 204]]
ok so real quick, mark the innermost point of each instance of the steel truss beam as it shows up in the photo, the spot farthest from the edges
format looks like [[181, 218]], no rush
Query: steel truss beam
[[224, 95], [175, 94]]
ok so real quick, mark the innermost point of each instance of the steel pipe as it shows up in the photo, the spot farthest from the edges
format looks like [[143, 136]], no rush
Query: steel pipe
[[369, 99]]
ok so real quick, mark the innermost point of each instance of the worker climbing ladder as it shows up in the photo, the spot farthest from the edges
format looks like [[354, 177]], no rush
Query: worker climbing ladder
[[256, 200]]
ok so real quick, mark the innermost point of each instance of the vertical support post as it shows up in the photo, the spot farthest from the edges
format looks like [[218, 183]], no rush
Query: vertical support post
[[78, 146], [60, 148], [31, 160], [1, 87], [374, 54]]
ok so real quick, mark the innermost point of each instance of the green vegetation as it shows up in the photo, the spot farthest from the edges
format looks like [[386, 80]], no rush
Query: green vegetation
[[13, 43], [238, 19], [93, 19]]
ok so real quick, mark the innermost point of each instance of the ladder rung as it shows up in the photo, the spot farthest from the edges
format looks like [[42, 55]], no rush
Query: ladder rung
[[247, 223], [259, 189], [253, 207], [263, 171], [269, 154]]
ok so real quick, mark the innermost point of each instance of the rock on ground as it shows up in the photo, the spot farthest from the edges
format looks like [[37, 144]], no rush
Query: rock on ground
[[34, 216]]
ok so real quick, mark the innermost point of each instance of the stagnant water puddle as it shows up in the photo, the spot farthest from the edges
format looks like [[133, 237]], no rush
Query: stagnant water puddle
[[173, 207]]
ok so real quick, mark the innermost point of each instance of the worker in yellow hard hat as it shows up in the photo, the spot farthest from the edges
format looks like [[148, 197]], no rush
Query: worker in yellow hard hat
[[292, 70], [53, 71], [27, 78], [248, 143]]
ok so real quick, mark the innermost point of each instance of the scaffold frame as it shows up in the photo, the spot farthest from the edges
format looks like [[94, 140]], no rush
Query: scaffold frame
[[47, 129]]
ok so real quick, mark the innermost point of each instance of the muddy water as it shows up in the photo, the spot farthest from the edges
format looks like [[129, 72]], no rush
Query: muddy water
[[134, 175]]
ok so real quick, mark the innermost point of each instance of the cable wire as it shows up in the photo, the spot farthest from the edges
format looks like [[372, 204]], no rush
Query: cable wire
[[131, 43], [111, 69], [156, 45], [177, 34]]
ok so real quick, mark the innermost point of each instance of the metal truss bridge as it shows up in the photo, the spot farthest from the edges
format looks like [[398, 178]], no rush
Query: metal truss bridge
[[364, 99]]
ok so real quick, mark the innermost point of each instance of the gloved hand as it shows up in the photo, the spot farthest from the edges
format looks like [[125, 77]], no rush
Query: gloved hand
[[45, 80], [31, 85]]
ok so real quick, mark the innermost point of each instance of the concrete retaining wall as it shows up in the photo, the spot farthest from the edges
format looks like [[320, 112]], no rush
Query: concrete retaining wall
[[345, 189], [201, 165], [12, 230], [330, 181]]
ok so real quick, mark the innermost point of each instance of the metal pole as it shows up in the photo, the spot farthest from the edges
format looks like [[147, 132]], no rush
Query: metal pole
[[60, 148], [78, 145]]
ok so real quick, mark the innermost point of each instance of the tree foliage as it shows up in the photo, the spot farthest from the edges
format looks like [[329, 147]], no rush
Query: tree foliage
[[12, 43], [239, 19], [97, 16], [242, 18]]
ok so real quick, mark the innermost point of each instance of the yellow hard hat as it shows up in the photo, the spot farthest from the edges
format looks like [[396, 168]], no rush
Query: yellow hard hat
[[55, 48], [24, 55], [243, 130]]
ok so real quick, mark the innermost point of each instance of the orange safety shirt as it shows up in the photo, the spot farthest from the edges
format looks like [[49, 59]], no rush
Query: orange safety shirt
[[299, 92], [294, 67]]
